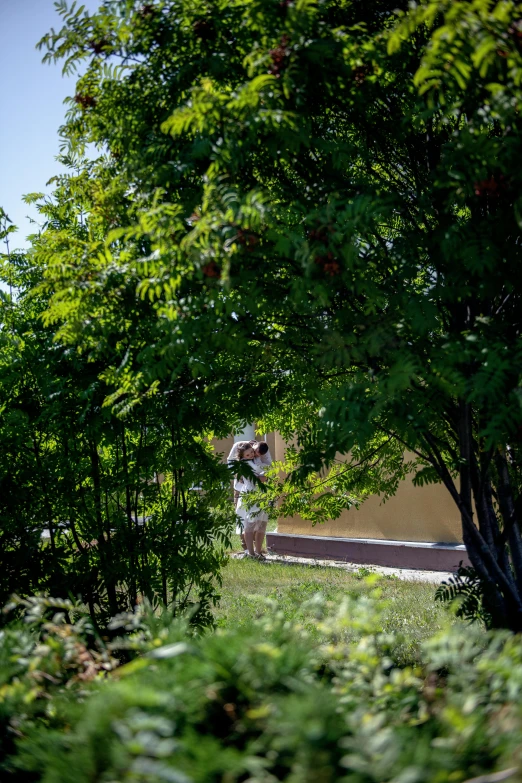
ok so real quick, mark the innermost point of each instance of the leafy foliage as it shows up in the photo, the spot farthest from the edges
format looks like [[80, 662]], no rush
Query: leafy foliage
[[467, 591], [306, 214], [106, 504], [57, 646], [268, 703]]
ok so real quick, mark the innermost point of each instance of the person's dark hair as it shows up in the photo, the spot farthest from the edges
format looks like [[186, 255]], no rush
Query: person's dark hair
[[262, 447]]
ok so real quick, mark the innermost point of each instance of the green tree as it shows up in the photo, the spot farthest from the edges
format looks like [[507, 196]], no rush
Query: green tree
[[108, 506], [321, 203]]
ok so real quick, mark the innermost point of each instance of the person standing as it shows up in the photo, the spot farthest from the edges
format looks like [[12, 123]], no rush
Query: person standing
[[254, 520], [262, 460]]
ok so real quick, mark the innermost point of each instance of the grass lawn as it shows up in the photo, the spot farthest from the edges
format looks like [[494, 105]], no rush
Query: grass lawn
[[410, 606]]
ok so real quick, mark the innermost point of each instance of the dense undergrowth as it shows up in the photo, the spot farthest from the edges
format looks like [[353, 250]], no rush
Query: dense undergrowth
[[262, 702]]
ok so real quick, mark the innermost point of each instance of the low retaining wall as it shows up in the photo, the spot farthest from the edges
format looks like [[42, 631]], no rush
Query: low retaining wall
[[371, 551]]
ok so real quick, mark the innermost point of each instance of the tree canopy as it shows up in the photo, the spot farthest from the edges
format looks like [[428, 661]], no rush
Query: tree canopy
[[305, 213]]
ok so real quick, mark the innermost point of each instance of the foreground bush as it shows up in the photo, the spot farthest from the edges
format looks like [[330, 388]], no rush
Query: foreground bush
[[265, 704]]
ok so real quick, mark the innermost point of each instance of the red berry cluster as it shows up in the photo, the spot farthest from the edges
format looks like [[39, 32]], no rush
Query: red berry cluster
[[278, 56], [491, 187], [203, 29], [85, 101], [515, 31], [211, 269], [247, 239], [147, 10], [98, 45], [319, 234], [328, 264], [360, 73]]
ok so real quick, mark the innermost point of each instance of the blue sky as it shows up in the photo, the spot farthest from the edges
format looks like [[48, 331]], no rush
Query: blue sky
[[32, 107]]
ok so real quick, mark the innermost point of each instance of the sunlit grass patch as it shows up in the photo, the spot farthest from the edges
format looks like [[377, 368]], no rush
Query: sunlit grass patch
[[410, 606]]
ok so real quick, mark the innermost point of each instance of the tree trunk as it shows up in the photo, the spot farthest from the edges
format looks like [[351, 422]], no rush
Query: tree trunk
[[104, 546]]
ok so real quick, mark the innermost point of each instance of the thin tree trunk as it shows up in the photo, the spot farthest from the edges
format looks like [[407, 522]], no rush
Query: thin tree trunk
[[72, 511], [164, 591], [507, 509], [103, 545], [47, 503], [130, 526]]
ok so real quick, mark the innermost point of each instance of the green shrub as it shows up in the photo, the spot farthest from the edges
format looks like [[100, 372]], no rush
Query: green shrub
[[56, 650], [268, 703]]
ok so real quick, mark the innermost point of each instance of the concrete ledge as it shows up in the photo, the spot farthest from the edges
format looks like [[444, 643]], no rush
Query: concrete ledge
[[371, 551]]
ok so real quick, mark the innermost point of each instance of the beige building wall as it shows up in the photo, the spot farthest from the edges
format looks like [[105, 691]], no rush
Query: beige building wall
[[223, 445], [414, 514]]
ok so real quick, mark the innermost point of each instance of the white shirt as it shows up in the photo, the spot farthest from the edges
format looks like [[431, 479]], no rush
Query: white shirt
[[245, 484], [263, 459]]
